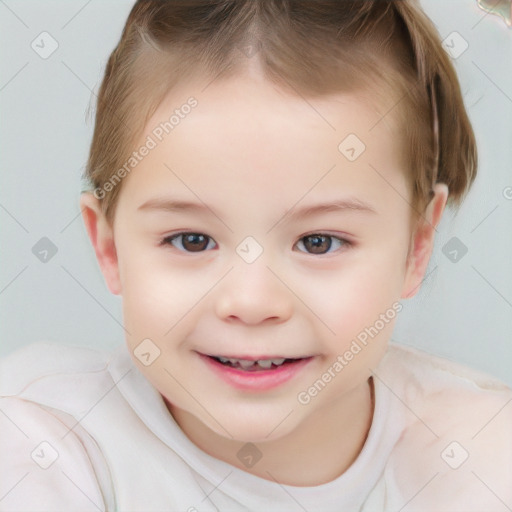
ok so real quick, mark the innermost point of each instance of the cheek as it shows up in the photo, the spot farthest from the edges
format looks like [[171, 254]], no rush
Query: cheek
[[355, 294], [160, 299]]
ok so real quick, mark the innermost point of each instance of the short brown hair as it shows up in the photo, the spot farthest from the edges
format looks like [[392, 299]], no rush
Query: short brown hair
[[314, 47]]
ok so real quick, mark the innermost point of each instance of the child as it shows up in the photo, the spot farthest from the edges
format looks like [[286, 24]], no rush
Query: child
[[307, 149]]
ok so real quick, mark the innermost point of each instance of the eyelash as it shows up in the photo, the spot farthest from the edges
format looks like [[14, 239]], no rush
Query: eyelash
[[167, 241]]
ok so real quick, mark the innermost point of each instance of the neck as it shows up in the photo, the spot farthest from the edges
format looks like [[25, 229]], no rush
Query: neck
[[329, 441]]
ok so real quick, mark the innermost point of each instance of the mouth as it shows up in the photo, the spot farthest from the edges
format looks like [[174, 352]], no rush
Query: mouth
[[256, 373], [255, 364]]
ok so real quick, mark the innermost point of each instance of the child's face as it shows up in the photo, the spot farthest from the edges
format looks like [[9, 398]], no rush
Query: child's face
[[257, 157]]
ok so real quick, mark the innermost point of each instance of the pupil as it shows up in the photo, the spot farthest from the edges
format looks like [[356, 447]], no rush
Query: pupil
[[320, 243], [194, 239]]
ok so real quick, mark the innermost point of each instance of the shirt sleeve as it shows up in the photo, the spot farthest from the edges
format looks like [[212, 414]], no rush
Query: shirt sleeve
[[46, 462]]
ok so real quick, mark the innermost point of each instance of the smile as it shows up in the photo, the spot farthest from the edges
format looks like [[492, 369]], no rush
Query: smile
[[254, 365], [255, 374]]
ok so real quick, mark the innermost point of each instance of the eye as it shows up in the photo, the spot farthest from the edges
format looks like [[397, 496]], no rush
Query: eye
[[188, 242], [320, 243]]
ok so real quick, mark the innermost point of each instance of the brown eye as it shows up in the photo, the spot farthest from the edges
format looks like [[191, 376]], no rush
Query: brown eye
[[190, 242], [194, 242], [318, 243]]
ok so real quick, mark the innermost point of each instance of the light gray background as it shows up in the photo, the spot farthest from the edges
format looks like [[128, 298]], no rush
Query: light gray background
[[464, 309]]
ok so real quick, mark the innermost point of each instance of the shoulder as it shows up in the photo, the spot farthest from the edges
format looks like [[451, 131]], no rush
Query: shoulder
[[437, 371], [55, 375], [51, 461], [436, 386], [457, 435], [446, 393], [44, 359], [47, 464]]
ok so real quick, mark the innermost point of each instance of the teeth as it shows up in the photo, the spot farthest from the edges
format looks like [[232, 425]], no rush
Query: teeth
[[246, 363], [265, 363]]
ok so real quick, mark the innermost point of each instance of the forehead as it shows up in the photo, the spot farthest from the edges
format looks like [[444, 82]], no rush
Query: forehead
[[245, 136], [249, 102]]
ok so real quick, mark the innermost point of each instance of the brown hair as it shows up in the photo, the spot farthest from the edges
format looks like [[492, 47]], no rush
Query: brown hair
[[311, 47]]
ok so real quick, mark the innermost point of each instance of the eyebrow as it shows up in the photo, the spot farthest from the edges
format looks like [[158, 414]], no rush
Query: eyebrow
[[341, 205], [175, 206]]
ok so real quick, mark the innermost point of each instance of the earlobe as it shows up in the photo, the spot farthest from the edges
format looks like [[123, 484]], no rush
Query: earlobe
[[102, 239], [422, 242]]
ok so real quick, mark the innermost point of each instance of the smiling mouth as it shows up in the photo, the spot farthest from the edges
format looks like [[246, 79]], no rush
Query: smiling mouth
[[256, 365]]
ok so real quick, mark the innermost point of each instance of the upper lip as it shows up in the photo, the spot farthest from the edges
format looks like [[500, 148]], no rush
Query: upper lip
[[256, 358]]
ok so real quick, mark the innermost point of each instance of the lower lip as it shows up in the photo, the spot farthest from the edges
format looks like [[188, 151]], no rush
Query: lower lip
[[259, 380]]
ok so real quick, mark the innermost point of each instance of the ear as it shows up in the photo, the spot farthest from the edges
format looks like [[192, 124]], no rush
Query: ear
[[422, 242], [102, 239]]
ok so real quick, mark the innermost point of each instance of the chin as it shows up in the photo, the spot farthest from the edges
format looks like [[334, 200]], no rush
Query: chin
[[253, 428]]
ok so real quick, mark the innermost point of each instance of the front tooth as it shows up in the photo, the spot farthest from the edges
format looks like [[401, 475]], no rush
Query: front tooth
[[277, 362], [265, 363], [223, 359], [245, 363]]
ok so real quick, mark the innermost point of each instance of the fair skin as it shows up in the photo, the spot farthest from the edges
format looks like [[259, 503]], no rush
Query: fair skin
[[251, 152]]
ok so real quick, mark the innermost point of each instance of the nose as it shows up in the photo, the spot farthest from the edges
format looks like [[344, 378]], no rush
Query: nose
[[252, 294]]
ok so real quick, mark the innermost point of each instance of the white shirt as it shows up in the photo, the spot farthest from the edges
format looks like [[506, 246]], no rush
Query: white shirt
[[83, 430]]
